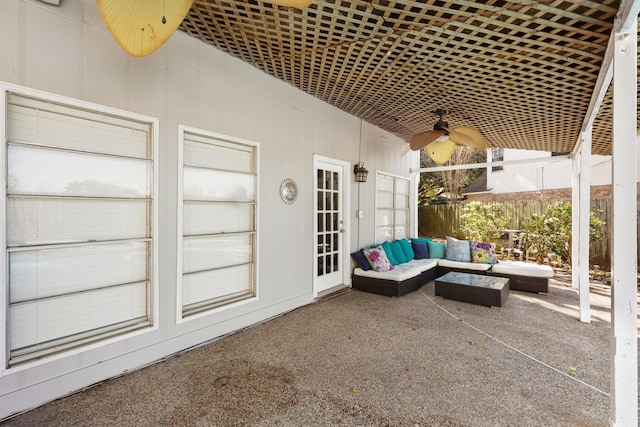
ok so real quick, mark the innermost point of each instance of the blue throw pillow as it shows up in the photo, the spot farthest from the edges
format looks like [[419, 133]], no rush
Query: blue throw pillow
[[407, 249], [422, 239], [361, 260], [458, 250], [437, 250], [398, 252], [420, 249]]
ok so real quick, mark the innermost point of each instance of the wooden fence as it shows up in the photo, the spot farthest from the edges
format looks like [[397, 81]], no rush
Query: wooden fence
[[444, 220]]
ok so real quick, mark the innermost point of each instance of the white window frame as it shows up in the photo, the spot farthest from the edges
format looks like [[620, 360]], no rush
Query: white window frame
[[393, 220], [152, 263], [214, 307]]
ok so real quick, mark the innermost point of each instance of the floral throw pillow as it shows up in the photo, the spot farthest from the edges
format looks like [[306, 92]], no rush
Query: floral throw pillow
[[483, 253], [378, 259]]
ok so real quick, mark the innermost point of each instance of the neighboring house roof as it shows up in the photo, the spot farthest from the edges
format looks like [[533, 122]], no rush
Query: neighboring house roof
[[477, 186]]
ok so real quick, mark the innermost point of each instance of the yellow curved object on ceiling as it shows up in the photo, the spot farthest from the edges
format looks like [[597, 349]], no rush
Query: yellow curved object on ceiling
[[477, 140], [136, 25], [441, 151]]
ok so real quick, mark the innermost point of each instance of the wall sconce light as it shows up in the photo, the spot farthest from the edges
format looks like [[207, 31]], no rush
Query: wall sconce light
[[360, 172]]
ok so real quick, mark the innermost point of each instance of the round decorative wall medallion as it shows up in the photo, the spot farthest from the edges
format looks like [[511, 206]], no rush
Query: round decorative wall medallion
[[288, 191]]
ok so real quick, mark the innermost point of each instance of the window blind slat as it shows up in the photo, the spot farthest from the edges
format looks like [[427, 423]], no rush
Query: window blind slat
[[39, 221], [229, 217], [40, 171], [205, 154], [33, 126], [203, 184], [216, 252], [214, 284], [49, 272], [44, 320]]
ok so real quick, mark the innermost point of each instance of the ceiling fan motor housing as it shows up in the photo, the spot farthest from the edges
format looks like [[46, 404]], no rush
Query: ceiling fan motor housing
[[441, 124]]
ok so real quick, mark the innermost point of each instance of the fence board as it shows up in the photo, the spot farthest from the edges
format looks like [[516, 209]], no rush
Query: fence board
[[444, 220]]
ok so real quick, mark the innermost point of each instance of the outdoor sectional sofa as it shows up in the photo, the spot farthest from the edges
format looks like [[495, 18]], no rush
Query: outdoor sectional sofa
[[418, 268]]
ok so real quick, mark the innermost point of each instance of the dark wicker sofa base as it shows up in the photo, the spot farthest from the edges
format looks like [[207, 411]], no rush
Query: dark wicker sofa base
[[392, 288], [516, 282], [524, 283]]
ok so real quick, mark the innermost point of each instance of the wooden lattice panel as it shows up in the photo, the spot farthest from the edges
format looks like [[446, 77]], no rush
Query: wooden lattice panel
[[521, 71]]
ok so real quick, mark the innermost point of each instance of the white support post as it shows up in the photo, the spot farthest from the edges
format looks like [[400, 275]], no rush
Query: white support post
[[624, 347], [583, 225], [575, 225]]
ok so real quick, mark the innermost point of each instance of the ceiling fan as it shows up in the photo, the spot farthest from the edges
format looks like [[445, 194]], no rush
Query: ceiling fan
[[440, 143], [142, 26]]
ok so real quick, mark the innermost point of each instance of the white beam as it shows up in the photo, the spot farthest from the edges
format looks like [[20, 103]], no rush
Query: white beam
[[624, 347], [627, 14], [550, 159], [583, 226], [575, 219]]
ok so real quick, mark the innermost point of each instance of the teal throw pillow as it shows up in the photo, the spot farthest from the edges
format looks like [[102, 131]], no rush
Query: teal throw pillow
[[387, 249], [436, 250], [398, 252], [407, 249]]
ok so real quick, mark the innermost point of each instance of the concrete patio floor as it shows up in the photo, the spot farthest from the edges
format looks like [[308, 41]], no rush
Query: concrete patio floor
[[357, 359]]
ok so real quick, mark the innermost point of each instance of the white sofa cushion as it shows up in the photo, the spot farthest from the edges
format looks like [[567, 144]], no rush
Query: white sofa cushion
[[423, 264], [521, 268], [464, 265], [399, 273]]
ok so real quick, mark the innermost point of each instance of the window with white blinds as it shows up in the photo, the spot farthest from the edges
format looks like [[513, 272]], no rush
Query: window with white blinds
[[79, 215], [219, 186], [392, 207]]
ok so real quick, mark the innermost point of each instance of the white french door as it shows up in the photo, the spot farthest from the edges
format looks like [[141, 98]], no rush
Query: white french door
[[330, 201]]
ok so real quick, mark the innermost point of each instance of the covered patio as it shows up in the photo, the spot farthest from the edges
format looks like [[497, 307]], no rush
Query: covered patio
[[306, 93], [362, 359]]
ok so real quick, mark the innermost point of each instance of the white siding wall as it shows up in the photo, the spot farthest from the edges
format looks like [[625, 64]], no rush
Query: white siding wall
[[67, 51], [543, 176]]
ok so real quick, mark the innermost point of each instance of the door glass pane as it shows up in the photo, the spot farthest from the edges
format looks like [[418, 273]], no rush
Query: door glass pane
[[321, 222], [335, 181], [328, 264], [320, 200], [335, 201], [320, 177]]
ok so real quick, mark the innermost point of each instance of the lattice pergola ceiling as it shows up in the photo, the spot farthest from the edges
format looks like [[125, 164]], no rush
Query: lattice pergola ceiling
[[521, 72]]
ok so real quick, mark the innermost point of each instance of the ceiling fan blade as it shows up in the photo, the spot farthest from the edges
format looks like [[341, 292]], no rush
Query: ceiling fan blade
[[291, 3], [460, 138], [138, 26], [422, 139], [478, 140], [406, 150], [441, 151]]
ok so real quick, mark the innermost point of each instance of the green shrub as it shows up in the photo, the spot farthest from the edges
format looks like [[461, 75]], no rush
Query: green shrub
[[551, 232], [481, 222]]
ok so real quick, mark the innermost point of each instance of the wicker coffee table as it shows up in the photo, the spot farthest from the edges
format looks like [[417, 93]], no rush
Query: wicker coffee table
[[473, 288]]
